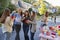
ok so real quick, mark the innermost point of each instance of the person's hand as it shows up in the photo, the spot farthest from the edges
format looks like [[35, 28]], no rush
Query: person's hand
[[22, 18], [28, 21]]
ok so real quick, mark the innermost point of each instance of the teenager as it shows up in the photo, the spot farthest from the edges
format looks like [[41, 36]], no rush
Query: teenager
[[25, 21], [7, 23], [33, 24], [17, 23]]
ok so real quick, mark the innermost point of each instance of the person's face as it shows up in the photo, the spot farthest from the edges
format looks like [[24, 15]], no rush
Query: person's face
[[19, 11], [26, 13]]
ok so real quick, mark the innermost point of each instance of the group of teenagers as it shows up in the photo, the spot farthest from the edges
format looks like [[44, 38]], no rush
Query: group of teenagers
[[13, 21]]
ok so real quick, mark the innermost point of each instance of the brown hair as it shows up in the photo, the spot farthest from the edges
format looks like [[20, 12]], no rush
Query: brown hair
[[4, 15], [27, 12], [46, 14], [33, 16], [33, 13]]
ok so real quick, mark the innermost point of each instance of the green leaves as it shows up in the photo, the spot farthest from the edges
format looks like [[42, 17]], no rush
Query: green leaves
[[3, 5]]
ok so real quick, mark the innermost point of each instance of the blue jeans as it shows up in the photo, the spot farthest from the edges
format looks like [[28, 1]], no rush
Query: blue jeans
[[32, 35], [8, 35], [25, 30], [13, 27], [17, 29]]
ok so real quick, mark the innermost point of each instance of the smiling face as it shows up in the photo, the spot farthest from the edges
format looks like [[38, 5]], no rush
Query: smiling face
[[19, 10], [27, 13]]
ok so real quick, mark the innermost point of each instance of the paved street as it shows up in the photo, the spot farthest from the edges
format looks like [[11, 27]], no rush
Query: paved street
[[21, 34], [36, 37]]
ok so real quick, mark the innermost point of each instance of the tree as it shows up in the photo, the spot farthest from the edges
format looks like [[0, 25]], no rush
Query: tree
[[11, 6], [3, 5]]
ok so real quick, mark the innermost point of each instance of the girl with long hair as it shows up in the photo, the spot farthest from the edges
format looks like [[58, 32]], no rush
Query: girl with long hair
[[33, 24], [7, 23], [25, 21]]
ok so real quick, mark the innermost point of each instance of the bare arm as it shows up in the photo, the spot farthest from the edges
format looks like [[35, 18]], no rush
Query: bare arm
[[34, 21], [2, 19], [22, 18]]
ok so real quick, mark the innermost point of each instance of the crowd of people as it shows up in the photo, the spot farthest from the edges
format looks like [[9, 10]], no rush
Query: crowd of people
[[12, 21]]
